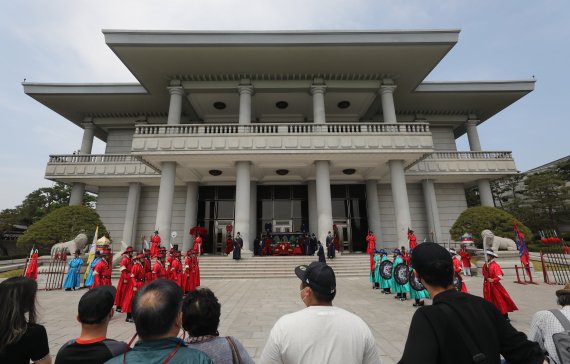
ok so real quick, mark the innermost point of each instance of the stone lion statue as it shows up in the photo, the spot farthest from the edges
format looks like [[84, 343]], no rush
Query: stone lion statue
[[496, 242], [79, 242]]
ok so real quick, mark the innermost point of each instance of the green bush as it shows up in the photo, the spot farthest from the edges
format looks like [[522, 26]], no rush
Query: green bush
[[62, 225], [479, 218]]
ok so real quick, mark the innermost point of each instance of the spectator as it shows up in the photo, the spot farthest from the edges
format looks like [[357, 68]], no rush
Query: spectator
[[319, 333], [459, 326], [200, 319], [94, 312], [21, 340], [158, 319], [544, 324]]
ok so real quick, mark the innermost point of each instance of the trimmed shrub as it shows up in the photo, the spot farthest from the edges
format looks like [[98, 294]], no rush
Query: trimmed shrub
[[476, 219]]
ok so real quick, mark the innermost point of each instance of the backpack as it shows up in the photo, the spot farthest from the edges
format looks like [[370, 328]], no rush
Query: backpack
[[562, 339]]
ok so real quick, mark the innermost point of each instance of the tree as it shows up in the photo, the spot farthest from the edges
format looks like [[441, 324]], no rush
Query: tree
[[62, 224], [39, 203], [548, 198], [563, 170], [507, 190], [476, 219]]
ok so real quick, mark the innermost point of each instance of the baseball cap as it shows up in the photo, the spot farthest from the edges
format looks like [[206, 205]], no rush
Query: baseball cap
[[96, 304], [319, 276], [432, 260]]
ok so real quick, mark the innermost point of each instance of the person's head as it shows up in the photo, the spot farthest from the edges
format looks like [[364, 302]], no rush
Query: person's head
[[201, 313], [156, 232], [403, 249], [77, 253], [396, 252], [433, 265], [97, 254], [95, 308], [129, 251], [17, 298], [318, 284], [156, 310], [563, 296], [491, 254]]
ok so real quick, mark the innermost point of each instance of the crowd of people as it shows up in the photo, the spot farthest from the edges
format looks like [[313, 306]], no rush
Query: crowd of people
[[177, 321]]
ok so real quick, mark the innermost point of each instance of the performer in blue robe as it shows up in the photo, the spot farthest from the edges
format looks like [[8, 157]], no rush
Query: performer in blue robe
[[385, 284], [418, 296], [401, 290], [89, 280], [73, 278], [375, 280]]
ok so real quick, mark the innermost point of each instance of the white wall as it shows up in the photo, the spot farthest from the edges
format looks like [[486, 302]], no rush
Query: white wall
[[119, 141], [451, 203], [443, 138], [112, 207]]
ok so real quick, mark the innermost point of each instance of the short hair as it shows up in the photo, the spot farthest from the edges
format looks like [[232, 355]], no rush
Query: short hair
[[155, 308], [96, 304], [201, 313], [433, 263], [563, 300]]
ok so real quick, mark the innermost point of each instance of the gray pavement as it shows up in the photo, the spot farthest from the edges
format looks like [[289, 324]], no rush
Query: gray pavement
[[250, 307]]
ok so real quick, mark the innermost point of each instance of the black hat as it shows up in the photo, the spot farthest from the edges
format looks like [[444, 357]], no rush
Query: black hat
[[432, 259], [319, 276], [96, 304]]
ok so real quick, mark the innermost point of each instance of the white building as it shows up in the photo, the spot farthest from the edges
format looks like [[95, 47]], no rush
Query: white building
[[293, 127]]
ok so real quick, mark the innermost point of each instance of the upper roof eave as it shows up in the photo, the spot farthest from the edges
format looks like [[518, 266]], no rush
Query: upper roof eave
[[477, 86]]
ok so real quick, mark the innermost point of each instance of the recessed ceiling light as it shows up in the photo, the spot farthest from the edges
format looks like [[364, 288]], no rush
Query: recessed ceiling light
[[282, 172], [219, 105], [349, 171], [281, 104], [215, 172], [343, 104]]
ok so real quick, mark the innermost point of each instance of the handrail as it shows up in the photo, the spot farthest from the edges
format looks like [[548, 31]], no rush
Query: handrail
[[99, 159], [452, 155], [282, 129]]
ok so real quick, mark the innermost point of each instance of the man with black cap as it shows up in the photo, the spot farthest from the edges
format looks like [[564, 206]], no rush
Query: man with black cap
[[319, 333], [459, 327], [95, 310]]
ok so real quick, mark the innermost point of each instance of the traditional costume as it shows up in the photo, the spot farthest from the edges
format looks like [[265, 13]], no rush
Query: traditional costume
[[91, 268], [406, 257], [375, 279], [493, 290], [73, 277], [32, 268], [330, 246], [102, 271], [175, 268], [158, 270], [457, 268], [155, 244], [137, 281], [385, 284], [147, 267], [465, 261], [185, 276], [412, 239], [400, 289], [321, 252], [124, 284], [197, 245], [238, 245], [370, 249], [195, 276], [418, 296]]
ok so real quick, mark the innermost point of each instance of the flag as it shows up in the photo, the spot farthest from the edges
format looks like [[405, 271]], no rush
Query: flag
[[519, 240], [92, 249]]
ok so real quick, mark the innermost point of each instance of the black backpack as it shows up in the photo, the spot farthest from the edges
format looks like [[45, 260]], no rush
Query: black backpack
[[562, 339]]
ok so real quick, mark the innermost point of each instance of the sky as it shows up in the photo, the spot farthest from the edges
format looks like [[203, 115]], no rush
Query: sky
[[61, 41]]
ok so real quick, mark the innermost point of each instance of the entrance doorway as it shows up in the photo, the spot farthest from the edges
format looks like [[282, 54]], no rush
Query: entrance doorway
[[343, 228], [220, 235]]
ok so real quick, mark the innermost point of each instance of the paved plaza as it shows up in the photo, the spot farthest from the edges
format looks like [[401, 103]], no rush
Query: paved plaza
[[250, 307]]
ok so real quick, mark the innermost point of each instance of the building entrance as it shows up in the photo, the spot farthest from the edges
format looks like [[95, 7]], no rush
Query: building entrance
[[343, 231], [220, 235]]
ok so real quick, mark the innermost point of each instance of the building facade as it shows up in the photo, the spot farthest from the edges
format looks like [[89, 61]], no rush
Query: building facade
[[290, 129]]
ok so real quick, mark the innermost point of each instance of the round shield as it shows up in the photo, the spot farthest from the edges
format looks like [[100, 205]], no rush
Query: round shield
[[457, 281], [401, 273], [415, 282], [386, 269]]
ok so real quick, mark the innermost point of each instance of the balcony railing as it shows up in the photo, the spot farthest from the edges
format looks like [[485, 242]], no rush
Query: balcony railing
[[283, 129]]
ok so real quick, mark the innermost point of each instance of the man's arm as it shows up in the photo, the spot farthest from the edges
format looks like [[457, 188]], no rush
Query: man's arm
[[421, 345], [271, 353]]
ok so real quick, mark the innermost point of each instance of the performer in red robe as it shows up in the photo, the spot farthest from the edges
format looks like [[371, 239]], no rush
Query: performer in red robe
[[457, 268], [158, 269], [147, 267], [137, 281], [406, 256], [195, 264], [102, 271], [371, 249], [155, 244], [197, 245], [493, 290], [412, 239], [125, 279], [186, 269], [465, 260], [32, 269], [175, 268]]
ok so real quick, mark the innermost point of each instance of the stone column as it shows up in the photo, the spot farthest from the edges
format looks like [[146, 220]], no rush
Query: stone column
[[88, 136], [373, 209], [324, 205], [473, 135], [245, 93], [485, 193], [165, 201], [401, 204], [312, 205], [190, 214], [175, 108], [318, 92], [242, 208], [253, 230], [432, 212], [130, 226], [77, 192], [388, 108]]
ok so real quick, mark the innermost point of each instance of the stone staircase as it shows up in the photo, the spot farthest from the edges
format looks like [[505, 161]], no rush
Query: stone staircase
[[223, 267]]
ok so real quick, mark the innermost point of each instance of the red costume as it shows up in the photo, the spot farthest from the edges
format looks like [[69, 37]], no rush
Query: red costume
[[494, 291], [457, 270], [125, 279], [465, 258], [198, 245], [102, 273], [412, 239], [406, 258], [32, 269], [229, 245], [185, 275], [371, 241], [147, 270], [195, 266], [137, 281], [155, 244], [175, 270], [267, 250], [158, 270]]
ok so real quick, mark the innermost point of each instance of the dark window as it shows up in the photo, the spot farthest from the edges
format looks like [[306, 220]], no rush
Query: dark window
[[297, 208], [206, 193], [299, 192], [226, 193], [282, 192], [226, 209], [338, 191], [206, 209], [358, 208], [266, 211], [264, 192], [282, 209], [339, 209], [357, 191]]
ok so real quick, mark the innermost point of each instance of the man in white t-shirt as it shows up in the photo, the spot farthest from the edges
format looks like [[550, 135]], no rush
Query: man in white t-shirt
[[319, 333]]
